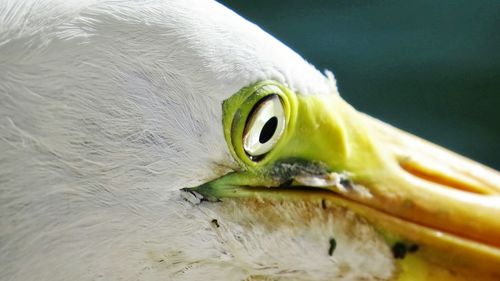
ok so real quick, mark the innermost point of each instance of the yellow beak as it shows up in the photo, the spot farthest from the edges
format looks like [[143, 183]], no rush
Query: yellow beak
[[447, 204]]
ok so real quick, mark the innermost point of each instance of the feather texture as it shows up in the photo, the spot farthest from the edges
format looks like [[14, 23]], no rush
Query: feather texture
[[107, 109]]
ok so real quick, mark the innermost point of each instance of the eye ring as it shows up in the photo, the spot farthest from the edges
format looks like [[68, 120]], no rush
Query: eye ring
[[264, 126]]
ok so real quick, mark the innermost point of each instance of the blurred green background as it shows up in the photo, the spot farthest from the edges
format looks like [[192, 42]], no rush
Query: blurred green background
[[429, 67]]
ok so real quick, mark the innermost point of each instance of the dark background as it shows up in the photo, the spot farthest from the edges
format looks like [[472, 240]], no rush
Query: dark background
[[429, 67]]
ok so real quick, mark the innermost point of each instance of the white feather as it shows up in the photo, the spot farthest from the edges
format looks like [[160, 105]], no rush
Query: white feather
[[107, 109]]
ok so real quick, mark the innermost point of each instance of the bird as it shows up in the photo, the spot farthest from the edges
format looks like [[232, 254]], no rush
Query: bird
[[174, 140]]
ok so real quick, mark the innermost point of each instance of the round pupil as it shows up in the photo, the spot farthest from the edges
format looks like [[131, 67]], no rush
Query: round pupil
[[268, 129]]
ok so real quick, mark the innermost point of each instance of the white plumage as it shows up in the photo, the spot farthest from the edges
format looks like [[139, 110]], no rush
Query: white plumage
[[107, 109]]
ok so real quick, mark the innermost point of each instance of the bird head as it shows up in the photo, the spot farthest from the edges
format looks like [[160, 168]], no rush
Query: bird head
[[116, 106]]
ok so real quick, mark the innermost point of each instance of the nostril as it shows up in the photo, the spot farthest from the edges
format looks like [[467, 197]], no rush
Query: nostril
[[438, 174]]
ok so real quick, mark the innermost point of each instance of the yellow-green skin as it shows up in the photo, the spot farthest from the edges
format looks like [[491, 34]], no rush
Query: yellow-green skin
[[327, 138], [325, 142]]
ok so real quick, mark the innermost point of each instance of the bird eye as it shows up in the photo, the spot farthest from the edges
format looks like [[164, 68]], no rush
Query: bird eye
[[264, 126]]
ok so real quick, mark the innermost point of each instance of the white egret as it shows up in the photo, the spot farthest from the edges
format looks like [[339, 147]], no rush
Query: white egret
[[108, 109]]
